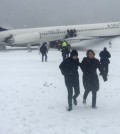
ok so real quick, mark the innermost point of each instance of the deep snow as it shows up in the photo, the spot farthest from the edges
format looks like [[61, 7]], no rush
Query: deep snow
[[33, 96]]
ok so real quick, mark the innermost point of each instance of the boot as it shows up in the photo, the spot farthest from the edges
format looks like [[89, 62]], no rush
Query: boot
[[75, 101], [94, 107], [70, 108], [70, 104], [84, 101]]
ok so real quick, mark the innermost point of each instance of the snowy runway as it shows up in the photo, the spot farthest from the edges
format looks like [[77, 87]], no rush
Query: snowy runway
[[33, 97]]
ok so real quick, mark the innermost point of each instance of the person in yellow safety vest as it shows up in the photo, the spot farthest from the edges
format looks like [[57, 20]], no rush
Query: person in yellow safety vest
[[64, 44], [65, 51]]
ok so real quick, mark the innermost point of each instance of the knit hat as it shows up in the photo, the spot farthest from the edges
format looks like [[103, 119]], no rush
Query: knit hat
[[105, 48], [73, 53]]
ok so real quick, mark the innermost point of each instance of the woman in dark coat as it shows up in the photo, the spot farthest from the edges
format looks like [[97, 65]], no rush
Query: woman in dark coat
[[89, 66]]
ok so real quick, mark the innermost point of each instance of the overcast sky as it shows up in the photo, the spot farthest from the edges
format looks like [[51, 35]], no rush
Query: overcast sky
[[39, 13]]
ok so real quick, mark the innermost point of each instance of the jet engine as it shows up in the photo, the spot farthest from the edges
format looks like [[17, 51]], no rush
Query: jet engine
[[24, 38]]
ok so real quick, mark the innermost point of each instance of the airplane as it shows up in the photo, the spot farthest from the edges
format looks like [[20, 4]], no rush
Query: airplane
[[73, 33]]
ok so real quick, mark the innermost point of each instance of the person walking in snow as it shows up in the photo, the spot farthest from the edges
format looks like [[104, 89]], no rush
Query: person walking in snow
[[44, 51], [69, 68], [89, 66], [65, 49], [104, 59]]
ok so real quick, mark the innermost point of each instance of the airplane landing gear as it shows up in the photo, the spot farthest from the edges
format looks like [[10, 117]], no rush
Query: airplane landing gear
[[29, 47]]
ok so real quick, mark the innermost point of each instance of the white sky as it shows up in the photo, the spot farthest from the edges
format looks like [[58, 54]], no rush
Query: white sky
[[37, 13]]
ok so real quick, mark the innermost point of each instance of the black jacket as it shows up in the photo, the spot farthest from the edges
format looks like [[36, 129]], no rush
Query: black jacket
[[90, 77], [43, 49], [69, 67], [104, 57]]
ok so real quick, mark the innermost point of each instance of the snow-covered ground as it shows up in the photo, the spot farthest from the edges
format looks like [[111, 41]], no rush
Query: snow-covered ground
[[33, 96]]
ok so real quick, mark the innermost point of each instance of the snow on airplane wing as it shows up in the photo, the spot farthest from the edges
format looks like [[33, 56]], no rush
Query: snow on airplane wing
[[78, 39]]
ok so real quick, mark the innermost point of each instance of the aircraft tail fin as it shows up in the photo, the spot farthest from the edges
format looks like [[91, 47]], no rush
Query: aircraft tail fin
[[2, 29]]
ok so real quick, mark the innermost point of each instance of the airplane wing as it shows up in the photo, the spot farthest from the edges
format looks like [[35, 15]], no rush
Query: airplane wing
[[90, 37], [78, 39]]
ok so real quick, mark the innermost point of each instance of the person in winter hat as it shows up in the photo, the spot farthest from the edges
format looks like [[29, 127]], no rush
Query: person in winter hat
[[73, 53], [69, 68]]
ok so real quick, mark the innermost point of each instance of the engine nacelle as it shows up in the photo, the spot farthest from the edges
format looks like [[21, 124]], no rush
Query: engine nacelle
[[25, 38]]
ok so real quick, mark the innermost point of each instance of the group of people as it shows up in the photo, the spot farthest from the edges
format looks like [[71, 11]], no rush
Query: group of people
[[89, 65], [64, 47], [71, 33]]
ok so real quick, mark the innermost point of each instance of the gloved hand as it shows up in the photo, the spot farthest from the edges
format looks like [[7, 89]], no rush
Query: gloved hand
[[77, 59], [78, 63], [62, 73], [105, 78]]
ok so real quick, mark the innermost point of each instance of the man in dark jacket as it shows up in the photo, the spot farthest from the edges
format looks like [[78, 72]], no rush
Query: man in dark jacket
[[65, 49], [89, 66], [104, 59], [69, 68], [43, 50]]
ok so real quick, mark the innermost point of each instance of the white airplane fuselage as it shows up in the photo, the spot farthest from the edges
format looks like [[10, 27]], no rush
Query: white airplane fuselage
[[46, 34]]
